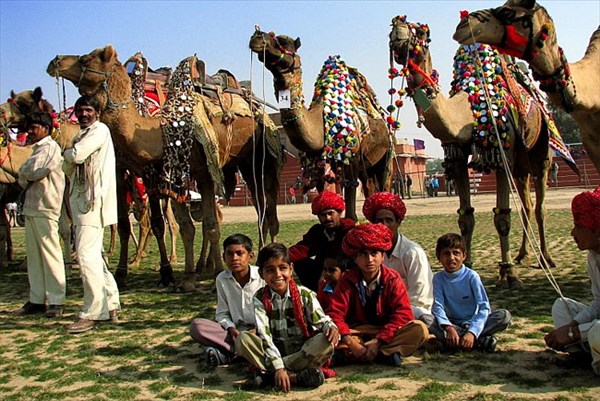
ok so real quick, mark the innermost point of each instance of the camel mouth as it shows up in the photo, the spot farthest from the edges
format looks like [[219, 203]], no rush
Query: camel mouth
[[463, 37]]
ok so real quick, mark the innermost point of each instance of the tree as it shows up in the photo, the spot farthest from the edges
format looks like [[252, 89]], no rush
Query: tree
[[434, 165], [566, 125]]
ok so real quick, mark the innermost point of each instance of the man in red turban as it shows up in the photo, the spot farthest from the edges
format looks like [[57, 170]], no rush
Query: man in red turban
[[405, 256], [323, 240], [576, 325], [370, 304]]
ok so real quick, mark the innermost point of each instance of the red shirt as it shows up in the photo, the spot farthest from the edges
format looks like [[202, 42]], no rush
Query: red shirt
[[393, 305]]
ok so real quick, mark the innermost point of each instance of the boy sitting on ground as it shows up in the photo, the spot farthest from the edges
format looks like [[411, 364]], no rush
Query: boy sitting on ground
[[333, 270], [235, 305], [463, 317], [294, 337], [370, 304]]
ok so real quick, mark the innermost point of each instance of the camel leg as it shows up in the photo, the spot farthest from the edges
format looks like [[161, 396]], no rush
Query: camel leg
[[188, 232], [540, 183], [113, 240], [64, 230], [524, 191], [350, 202], [124, 228], [508, 277], [158, 229], [210, 226], [173, 229], [144, 235], [4, 234], [466, 215]]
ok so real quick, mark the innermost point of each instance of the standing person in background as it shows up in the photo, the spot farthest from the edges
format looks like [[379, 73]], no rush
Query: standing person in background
[[44, 183], [408, 186], [90, 165], [576, 325]]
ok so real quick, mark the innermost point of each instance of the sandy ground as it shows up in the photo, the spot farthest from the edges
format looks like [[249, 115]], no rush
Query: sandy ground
[[555, 199]]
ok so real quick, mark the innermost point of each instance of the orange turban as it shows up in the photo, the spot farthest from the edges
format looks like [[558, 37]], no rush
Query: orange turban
[[367, 236], [586, 209], [328, 200], [384, 200]]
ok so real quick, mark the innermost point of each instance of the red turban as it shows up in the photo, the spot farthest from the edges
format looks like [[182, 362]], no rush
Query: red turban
[[586, 209], [367, 236], [328, 200], [383, 200]]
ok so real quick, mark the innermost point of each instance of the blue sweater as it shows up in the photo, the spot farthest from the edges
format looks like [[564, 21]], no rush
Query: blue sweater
[[459, 298]]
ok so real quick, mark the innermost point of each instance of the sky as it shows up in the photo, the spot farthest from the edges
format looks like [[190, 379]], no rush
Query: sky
[[34, 32]]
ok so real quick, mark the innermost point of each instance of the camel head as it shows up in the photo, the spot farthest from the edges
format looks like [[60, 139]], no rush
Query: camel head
[[89, 72], [519, 28], [409, 40], [278, 53], [20, 105]]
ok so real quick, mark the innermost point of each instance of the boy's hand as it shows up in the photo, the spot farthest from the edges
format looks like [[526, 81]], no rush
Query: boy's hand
[[333, 336], [372, 347], [282, 380], [467, 340], [356, 348], [233, 332], [452, 337]]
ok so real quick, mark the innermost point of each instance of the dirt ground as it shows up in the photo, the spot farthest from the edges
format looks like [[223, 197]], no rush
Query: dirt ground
[[417, 206]]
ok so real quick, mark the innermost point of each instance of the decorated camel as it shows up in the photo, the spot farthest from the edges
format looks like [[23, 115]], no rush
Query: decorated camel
[[343, 127], [452, 120], [524, 29], [140, 141], [13, 114]]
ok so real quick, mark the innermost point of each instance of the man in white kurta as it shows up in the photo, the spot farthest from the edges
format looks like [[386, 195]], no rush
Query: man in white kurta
[[44, 181], [406, 257], [90, 165], [577, 325]]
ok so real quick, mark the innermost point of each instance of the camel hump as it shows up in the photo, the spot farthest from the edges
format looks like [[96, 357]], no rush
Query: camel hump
[[367, 94]]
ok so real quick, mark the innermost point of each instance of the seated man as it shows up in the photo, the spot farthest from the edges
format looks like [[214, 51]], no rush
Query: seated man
[[576, 325], [406, 256], [370, 303], [322, 240]]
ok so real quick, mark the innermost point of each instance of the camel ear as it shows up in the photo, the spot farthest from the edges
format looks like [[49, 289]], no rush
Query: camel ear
[[12, 94], [37, 94], [297, 43], [108, 53]]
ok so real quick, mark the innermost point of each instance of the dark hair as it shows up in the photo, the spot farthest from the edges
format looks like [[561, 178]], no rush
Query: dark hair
[[342, 261], [238, 239], [274, 250], [450, 240], [88, 101], [41, 118]]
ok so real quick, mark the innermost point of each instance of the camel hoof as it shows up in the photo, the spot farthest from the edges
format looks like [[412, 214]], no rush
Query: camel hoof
[[522, 260], [502, 284], [515, 283], [121, 276]]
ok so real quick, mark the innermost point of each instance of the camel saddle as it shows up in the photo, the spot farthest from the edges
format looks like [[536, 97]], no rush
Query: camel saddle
[[151, 83]]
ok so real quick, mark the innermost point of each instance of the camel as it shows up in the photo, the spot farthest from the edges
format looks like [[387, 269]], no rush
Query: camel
[[451, 121], [306, 127], [524, 29], [140, 140]]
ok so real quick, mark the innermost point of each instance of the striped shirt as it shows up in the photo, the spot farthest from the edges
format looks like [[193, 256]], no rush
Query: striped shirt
[[280, 335]]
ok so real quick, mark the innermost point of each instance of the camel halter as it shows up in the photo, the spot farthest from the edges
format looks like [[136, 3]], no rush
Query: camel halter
[[512, 185], [558, 80]]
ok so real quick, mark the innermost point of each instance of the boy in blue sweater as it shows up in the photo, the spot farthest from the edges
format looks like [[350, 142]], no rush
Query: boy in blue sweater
[[463, 318]]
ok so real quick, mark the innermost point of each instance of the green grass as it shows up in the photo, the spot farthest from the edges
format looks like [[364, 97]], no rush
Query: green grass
[[149, 355]]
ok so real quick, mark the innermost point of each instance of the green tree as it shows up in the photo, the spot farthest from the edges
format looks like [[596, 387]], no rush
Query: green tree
[[566, 124], [434, 165]]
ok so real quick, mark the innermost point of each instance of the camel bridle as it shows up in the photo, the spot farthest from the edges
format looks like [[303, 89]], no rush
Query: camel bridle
[[110, 104]]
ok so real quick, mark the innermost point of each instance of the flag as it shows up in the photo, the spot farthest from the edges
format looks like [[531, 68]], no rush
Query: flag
[[419, 144]]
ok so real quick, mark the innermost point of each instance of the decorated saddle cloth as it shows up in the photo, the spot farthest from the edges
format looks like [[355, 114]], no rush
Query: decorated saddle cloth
[[501, 95], [149, 87], [188, 115], [348, 102]]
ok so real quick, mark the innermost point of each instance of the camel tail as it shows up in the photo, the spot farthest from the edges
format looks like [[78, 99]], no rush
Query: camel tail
[[594, 45]]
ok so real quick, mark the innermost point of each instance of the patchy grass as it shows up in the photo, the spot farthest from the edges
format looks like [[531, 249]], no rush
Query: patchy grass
[[149, 355]]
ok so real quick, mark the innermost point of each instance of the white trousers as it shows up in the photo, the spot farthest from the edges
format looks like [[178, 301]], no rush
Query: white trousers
[[100, 292], [563, 313], [45, 266]]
